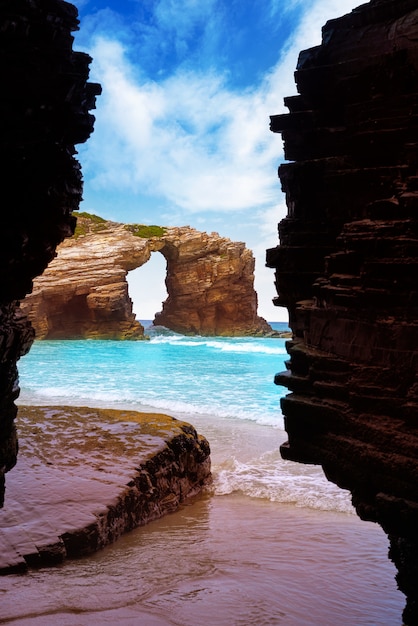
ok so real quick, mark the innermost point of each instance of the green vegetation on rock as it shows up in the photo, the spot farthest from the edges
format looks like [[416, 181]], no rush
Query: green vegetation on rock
[[93, 218], [144, 231], [88, 223]]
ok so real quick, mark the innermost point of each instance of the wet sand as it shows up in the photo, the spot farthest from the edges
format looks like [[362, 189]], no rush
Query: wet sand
[[220, 560]]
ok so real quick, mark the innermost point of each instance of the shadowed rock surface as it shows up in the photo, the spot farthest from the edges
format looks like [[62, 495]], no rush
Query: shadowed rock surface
[[347, 265], [44, 112], [85, 476], [84, 292]]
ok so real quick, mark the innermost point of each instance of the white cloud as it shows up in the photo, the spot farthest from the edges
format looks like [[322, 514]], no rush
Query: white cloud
[[190, 138], [187, 138]]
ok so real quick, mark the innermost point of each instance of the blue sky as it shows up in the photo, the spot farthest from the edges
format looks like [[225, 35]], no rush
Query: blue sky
[[182, 127]]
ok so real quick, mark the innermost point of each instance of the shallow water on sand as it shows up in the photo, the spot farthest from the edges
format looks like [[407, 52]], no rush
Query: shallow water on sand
[[222, 560]]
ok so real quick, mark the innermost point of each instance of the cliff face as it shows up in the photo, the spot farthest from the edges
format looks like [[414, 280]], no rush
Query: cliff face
[[84, 292], [347, 264], [44, 112], [210, 285]]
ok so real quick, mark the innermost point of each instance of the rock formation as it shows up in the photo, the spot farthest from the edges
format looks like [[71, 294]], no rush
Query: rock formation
[[84, 291], [44, 112], [347, 265], [88, 475]]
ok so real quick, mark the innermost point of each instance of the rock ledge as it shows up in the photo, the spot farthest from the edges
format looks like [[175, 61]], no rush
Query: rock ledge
[[85, 476]]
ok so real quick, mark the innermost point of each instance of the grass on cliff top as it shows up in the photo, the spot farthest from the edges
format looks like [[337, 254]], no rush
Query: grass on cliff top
[[144, 231], [88, 223]]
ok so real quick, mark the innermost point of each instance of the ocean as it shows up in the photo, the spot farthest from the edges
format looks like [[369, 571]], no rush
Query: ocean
[[274, 544]]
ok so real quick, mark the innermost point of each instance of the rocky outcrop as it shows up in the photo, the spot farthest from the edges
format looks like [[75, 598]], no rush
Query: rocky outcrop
[[84, 291], [210, 286], [85, 476], [347, 266], [44, 112]]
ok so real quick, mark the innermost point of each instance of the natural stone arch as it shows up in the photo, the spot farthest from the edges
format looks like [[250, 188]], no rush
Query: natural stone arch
[[84, 291]]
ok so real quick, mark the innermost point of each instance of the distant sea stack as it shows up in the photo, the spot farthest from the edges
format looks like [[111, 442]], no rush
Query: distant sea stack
[[347, 268], [84, 292], [44, 113]]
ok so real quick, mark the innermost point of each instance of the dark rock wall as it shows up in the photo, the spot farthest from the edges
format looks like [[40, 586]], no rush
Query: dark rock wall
[[347, 268], [44, 112]]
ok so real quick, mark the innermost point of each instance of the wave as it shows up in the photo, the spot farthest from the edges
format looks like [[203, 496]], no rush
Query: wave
[[181, 408], [247, 347], [151, 401], [270, 477], [256, 346]]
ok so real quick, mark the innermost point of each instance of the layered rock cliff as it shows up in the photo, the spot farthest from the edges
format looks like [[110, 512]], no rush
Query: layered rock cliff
[[44, 112], [84, 291], [347, 264]]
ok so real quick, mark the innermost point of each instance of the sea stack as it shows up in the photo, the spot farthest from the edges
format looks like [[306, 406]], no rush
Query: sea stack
[[347, 266], [83, 294]]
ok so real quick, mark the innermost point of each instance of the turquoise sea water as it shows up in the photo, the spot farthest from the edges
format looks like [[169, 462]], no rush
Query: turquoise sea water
[[223, 386], [274, 544], [229, 378]]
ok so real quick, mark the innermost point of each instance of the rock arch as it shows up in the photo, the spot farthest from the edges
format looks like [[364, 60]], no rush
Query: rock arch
[[84, 291]]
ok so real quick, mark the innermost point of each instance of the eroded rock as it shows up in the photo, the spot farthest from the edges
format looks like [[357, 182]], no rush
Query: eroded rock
[[85, 476], [44, 112], [347, 265], [84, 291]]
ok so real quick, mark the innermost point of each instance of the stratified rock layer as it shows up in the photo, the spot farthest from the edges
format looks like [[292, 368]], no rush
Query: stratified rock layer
[[347, 268], [84, 291], [85, 476], [44, 112]]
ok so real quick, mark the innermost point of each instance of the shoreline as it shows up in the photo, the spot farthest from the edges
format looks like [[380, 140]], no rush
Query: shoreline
[[227, 559], [76, 489]]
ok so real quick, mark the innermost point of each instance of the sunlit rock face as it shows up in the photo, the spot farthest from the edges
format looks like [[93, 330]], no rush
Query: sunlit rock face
[[84, 291], [347, 268], [44, 112]]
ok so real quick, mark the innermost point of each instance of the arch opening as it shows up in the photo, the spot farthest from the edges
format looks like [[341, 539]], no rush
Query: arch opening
[[146, 286]]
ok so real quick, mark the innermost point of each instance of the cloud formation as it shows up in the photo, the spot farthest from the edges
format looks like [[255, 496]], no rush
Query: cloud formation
[[187, 138]]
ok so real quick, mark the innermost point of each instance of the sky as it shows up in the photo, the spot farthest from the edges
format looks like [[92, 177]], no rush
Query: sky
[[182, 126]]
